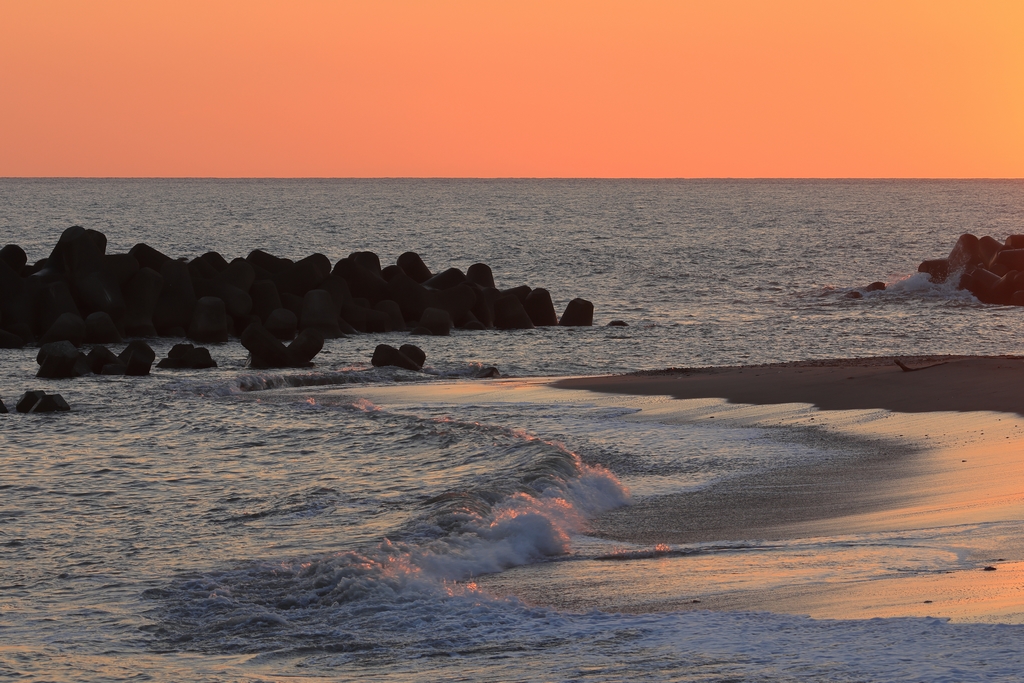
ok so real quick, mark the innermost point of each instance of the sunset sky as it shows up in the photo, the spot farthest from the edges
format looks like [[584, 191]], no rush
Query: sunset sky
[[520, 88]]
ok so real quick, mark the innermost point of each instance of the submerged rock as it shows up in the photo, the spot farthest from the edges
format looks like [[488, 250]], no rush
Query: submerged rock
[[137, 358], [385, 355], [41, 402], [187, 356], [579, 313]]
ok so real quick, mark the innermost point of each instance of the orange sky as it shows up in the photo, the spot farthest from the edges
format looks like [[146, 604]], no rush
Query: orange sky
[[759, 88]]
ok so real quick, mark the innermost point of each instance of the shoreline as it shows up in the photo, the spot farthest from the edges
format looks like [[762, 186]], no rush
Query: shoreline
[[898, 517], [937, 384], [961, 465]]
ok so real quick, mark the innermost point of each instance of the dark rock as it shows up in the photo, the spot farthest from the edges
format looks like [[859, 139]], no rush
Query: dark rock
[[378, 322], [29, 400], [989, 248], [338, 290], [98, 292], [540, 309], [368, 260], [413, 353], [302, 276], [99, 357], [486, 373], [58, 360], [452, 277], [216, 261], [413, 266], [238, 323], [199, 358], [187, 356], [937, 269], [68, 326], [305, 347], [437, 320], [239, 273], [3, 408], [473, 325], [419, 330], [480, 274], [396, 321], [458, 301], [33, 268], [54, 300], [209, 321], [137, 358], [98, 238], [265, 351], [142, 294], [100, 329], [268, 262], [1011, 258], [14, 256], [509, 314], [120, 268], [293, 303], [618, 323], [57, 261], [200, 270], [320, 313], [1003, 290], [579, 313], [355, 316], [177, 298], [853, 295], [148, 257], [236, 302], [483, 309], [283, 324], [114, 369], [384, 356], [979, 282], [362, 281], [15, 302], [412, 298], [388, 272], [345, 328], [875, 287], [520, 292], [10, 340], [265, 298], [1015, 242], [965, 254], [41, 402], [94, 288]]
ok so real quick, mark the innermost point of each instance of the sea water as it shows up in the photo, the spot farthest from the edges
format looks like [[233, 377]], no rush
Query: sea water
[[233, 524]]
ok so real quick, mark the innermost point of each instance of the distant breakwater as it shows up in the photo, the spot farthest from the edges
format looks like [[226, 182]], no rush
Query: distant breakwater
[[81, 294], [991, 270]]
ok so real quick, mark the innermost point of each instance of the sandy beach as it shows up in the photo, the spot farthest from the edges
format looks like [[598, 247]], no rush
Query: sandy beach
[[943, 450]]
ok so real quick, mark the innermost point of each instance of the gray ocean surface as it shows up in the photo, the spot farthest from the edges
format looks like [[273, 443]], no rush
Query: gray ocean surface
[[233, 524]]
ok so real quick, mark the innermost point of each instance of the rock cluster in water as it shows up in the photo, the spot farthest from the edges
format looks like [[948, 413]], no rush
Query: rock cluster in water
[[40, 402], [62, 360], [991, 270], [80, 294]]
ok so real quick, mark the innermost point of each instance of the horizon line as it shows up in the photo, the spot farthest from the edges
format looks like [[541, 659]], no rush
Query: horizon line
[[651, 178]]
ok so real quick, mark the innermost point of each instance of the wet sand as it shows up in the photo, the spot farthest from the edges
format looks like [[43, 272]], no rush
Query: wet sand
[[936, 383], [943, 460], [922, 488]]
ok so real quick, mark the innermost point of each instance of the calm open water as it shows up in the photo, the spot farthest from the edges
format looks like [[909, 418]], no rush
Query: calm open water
[[229, 524]]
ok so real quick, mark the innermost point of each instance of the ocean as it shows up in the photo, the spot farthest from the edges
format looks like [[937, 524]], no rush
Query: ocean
[[348, 522]]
